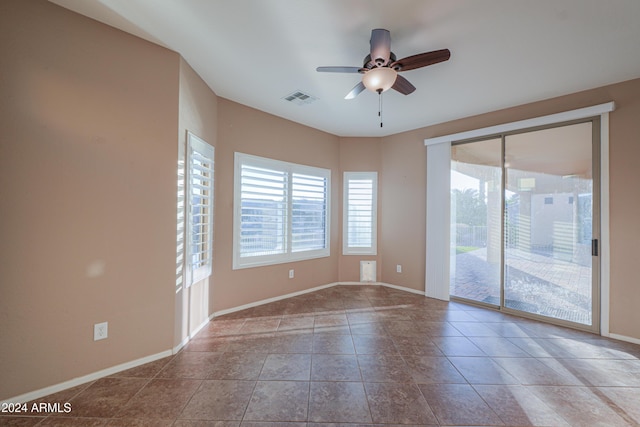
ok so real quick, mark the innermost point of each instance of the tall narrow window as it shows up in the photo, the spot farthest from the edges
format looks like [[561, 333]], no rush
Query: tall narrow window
[[200, 209], [360, 213], [281, 211]]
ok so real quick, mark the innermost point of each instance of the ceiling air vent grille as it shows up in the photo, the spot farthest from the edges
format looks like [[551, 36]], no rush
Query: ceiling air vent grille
[[300, 98]]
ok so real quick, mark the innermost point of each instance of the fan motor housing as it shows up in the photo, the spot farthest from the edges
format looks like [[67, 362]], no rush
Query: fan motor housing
[[369, 63]]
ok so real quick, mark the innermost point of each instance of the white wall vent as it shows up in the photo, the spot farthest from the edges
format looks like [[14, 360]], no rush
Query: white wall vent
[[367, 271], [299, 98]]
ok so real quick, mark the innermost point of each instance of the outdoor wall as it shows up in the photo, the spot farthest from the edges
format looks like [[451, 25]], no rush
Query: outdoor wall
[[198, 114], [358, 155], [403, 189], [88, 118], [250, 131]]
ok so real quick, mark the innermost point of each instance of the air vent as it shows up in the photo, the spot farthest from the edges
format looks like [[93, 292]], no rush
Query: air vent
[[300, 98]]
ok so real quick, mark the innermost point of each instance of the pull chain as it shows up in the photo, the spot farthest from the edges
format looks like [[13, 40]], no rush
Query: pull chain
[[380, 105]]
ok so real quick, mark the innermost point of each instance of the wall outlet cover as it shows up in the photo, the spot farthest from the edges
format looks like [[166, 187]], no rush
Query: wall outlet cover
[[100, 331]]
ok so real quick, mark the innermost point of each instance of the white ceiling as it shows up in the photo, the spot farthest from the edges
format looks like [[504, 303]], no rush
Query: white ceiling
[[503, 52]]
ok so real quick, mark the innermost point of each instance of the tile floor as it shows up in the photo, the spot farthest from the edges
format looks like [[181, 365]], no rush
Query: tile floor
[[368, 355]]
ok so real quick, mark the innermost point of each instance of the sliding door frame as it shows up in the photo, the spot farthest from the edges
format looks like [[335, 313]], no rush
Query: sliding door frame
[[599, 116], [595, 264]]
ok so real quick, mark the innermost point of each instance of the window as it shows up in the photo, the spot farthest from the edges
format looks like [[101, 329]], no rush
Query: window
[[281, 212], [360, 213], [200, 209]]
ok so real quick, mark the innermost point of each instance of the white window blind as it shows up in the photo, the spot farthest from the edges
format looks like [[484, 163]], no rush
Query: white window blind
[[200, 209], [360, 213], [281, 211], [263, 201], [308, 212]]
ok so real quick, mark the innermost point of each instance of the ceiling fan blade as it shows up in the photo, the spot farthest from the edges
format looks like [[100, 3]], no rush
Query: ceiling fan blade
[[380, 46], [355, 91], [403, 86], [421, 60], [338, 69]]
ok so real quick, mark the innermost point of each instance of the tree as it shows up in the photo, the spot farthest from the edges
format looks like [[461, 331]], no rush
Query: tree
[[471, 209]]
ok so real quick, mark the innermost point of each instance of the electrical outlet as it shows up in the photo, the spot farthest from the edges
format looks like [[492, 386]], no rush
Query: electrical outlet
[[398, 268], [100, 331], [291, 274]]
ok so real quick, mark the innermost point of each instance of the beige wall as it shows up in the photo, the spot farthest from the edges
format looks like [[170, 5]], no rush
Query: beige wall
[[88, 118], [358, 155], [403, 206], [404, 187], [253, 132]]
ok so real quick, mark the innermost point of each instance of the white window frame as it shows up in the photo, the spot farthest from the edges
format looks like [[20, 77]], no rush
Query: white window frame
[[359, 250], [288, 254], [198, 149]]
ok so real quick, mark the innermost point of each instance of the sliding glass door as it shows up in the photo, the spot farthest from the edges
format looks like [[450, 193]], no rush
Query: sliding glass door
[[476, 205], [549, 226], [539, 204]]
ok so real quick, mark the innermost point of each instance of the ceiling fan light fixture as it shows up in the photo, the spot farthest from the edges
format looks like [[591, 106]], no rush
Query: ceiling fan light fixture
[[379, 79]]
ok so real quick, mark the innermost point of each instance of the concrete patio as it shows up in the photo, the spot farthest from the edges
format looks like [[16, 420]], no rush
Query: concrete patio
[[535, 283]]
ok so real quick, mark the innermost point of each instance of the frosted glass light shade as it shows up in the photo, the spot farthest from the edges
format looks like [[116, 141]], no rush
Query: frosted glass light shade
[[379, 79]]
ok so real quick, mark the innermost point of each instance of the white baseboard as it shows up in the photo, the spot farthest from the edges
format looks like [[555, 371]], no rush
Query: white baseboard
[[307, 291], [199, 328], [188, 338], [32, 395], [388, 285], [402, 288], [268, 300], [624, 338], [182, 343]]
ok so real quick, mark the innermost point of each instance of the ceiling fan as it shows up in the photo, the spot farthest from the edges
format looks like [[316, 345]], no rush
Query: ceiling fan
[[380, 68]]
